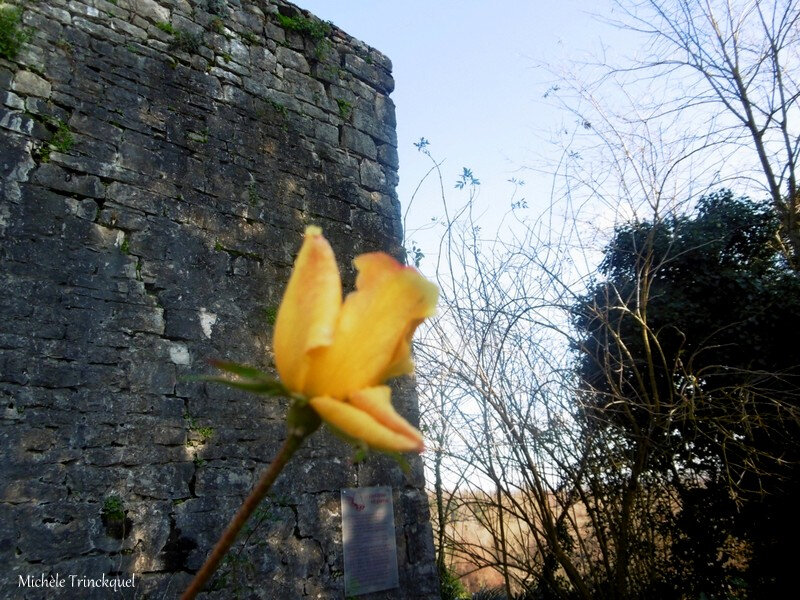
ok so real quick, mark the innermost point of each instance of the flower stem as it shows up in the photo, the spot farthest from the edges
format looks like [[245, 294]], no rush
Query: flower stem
[[292, 443]]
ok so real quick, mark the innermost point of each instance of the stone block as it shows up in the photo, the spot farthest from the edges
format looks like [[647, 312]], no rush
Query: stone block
[[372, 176], [291, 59], [30, 84], [387, 156], [56, 178], [150, 10], [358, 142]]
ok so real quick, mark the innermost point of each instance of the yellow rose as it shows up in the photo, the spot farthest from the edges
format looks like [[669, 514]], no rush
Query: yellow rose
[[339, 353]]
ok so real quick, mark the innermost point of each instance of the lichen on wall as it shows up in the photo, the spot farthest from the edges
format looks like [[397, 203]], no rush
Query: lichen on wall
[[159, 161]]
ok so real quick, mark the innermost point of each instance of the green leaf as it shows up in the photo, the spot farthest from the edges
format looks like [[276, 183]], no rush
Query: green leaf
[[268, 388]]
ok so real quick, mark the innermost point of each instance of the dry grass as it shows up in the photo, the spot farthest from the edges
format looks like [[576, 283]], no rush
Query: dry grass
[[474, 532]]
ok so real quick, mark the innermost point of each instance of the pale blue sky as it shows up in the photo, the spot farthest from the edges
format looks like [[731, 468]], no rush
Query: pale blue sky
[[469, 79]]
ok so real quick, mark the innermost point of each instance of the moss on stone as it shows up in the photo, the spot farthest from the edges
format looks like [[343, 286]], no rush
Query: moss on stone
[[314, 29], [12, 35]]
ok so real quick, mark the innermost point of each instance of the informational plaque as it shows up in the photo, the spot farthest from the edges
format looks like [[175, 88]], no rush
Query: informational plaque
[[370, 551]]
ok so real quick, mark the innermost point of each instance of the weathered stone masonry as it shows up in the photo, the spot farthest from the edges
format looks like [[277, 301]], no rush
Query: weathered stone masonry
[[160, 160]]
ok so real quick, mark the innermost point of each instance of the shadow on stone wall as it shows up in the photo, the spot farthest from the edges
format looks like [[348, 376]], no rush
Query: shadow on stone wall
[[153, 198]]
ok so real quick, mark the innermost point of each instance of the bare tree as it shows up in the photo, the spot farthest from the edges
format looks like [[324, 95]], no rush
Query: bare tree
[[737, 62], [521, 484], [570, 500]]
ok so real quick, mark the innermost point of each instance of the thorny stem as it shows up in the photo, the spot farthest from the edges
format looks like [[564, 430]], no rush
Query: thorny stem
[[299, 430]]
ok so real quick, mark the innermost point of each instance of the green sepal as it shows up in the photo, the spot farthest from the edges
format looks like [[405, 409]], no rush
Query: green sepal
[[267, 388], [302, 419]]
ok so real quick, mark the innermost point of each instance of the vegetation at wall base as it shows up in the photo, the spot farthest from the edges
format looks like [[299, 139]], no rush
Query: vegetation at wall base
[[450, 587]]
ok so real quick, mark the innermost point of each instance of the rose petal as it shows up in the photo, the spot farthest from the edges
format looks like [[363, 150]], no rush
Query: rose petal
[[308, 312], [372, 337], [377, 403], [358, 424]]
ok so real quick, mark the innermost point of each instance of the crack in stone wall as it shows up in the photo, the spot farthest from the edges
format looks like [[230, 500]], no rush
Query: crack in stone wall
[[159, 161]]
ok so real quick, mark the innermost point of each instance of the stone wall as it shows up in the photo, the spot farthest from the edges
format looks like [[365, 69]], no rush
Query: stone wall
[[159, 162]]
